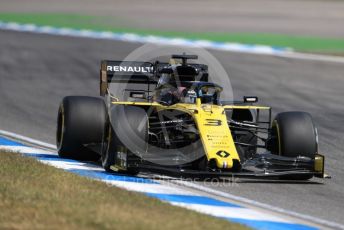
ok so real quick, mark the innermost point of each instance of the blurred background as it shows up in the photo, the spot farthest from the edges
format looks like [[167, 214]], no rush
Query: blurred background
[[304, 25]]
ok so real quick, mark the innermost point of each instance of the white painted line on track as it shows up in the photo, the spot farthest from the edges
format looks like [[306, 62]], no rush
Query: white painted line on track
[[67, 165], [234, 212], [311, 57], [26, 149], [27, 139], [149, 188]]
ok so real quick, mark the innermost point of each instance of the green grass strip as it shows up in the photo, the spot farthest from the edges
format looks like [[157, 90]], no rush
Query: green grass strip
[[37, 196], [102, 23]]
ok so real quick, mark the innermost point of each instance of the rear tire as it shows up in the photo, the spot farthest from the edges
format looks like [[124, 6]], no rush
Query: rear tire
[[81, 120], [294, 134]]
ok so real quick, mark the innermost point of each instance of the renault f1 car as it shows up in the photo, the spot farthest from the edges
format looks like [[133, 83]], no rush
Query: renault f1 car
[[168, 118]]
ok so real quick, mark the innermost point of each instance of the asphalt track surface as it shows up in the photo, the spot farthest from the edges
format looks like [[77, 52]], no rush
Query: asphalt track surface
[[37, 71]]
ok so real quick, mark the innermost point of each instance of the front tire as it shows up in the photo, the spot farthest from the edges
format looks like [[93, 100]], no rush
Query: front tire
[[294, 134], [128, 133], [81, 120]]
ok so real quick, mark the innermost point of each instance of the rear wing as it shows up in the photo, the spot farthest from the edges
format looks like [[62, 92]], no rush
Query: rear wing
[[137, 73], [125, 72]]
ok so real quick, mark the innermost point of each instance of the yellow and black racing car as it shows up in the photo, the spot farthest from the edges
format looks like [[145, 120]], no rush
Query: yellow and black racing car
[[168, 118]]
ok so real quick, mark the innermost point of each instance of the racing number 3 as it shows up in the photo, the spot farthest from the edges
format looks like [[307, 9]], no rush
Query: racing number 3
[[213, 122]]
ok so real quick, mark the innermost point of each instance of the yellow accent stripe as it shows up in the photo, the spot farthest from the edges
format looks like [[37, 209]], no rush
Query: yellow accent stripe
[[244, 107], [319, 163], [136, 103]]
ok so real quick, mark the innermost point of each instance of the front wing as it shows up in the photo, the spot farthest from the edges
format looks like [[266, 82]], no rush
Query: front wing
[[262, 166]]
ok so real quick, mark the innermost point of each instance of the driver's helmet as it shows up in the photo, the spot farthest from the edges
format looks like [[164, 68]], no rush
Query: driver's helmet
[[209, 94], [166, 81], [167, 90]]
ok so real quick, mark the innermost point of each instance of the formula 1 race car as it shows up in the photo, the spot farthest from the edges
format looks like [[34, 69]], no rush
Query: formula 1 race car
[[167, 118]]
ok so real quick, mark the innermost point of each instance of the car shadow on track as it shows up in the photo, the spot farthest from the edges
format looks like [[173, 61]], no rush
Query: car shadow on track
[[278, 182], [232, 180]]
